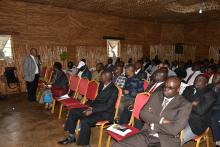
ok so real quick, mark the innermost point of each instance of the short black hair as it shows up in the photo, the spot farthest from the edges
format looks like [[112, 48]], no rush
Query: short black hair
[[83, 59], [58, 65], [70, 64], [108, 72], [204, 76]]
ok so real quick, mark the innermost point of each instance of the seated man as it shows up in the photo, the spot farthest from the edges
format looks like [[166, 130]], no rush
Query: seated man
[[96, 75], [119, 78], [102, 108], [83, 71], [165, 115], [155, 85], [157, 81], [139, 72], [109, 66], [132, 87], [215, 119], [203, 100]]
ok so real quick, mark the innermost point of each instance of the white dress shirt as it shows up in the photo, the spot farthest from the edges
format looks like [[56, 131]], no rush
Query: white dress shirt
[[37, 68], [105, 86], [137, 71], [182, 87], [192, 79]]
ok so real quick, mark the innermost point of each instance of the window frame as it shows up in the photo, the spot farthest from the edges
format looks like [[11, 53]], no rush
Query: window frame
[[7, 46], [117, 54]]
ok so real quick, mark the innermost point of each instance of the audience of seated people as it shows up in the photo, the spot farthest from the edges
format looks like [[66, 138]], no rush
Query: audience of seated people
[[194, 105], [102, 108]]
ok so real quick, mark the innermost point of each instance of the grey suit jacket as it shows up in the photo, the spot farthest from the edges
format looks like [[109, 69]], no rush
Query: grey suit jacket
[[178, 111], [29, 68]]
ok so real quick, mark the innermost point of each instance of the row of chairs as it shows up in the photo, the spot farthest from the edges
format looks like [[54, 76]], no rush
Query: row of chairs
[[79, 87], [140, 101], [89, 89]]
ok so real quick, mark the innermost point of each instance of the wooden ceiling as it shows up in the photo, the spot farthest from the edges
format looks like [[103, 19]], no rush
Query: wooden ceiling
[[152, 10]]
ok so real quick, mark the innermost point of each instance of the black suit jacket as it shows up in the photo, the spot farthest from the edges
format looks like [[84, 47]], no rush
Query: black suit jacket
[[159, 88], [200, 116], [105, 101], [109, 67], [141, 75]]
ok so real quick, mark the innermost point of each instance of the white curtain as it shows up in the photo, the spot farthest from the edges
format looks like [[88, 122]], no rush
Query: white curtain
[[3, 41]]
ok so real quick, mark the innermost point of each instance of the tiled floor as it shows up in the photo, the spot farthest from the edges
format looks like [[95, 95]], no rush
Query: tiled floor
[[26, 124]]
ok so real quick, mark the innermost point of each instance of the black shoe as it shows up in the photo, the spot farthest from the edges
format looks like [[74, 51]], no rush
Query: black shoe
[[67, 141]]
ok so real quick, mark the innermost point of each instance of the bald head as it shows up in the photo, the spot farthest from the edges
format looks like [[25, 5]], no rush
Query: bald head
[[171, 87]]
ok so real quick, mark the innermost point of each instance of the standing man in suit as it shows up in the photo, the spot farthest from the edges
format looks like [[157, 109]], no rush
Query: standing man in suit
[[102, 108], [31, 74], [165, 115], [203, 100]]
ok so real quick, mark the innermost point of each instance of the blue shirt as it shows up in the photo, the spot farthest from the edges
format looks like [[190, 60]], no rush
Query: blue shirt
[[134, 86]]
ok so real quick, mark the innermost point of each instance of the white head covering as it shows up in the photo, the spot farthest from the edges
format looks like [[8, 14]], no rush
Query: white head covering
[[81, 64]]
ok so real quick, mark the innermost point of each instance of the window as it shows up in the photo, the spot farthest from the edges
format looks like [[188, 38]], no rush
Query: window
[[113, 48], [5, 47]]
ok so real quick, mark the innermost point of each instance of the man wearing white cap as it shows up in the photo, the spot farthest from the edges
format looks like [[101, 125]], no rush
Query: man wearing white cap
[[83, 71]]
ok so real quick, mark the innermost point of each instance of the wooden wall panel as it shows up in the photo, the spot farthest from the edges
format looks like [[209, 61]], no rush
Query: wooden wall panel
[[44, 25], [202, 35]]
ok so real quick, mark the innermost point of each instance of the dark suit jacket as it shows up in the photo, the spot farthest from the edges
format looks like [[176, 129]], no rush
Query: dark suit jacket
[[200, 116], [86, 74], [59, 80], [105, 102], [141, 75], [109, 67], [178, 111], [159, 88]]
